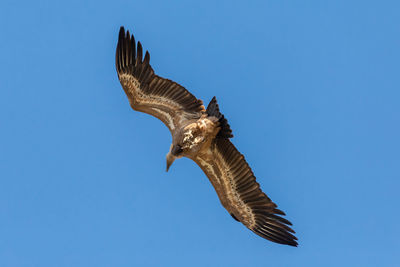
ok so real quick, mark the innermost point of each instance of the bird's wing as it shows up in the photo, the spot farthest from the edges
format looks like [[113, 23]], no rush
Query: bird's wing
[[241, 195], [148, 92]]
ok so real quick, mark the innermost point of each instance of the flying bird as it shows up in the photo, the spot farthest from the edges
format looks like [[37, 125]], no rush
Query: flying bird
[[203, 135]]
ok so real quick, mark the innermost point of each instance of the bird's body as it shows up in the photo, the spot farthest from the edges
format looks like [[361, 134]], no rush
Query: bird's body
[[196, 136], [202, 135]]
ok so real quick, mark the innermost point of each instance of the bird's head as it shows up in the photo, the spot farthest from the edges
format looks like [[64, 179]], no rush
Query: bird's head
[[175, 152]]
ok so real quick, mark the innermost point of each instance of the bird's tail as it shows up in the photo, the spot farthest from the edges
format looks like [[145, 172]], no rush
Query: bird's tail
[[213, 110]]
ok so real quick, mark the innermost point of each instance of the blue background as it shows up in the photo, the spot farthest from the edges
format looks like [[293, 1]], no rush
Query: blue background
[[310, 88]]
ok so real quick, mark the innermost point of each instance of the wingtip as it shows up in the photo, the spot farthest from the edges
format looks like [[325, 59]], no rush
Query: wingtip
[[121, 32], [278, 211], [146, 57], [139, 52], [280, 237]]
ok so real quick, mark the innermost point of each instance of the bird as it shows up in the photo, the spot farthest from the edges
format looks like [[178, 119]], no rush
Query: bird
[[202, 135]]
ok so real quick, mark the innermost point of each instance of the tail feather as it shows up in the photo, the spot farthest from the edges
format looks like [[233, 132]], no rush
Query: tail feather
[[213, 110]]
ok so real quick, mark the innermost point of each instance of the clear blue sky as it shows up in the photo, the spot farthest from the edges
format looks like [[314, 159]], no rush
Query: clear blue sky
[[311, 90]]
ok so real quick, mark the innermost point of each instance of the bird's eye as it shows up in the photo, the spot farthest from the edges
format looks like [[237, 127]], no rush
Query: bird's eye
[[176, 150]]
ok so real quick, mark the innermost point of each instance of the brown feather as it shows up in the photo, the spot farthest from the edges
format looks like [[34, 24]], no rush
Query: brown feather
[[241, 195], [148, 92]]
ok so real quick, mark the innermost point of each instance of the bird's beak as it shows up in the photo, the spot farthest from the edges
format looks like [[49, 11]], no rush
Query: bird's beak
[[170, 160]]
